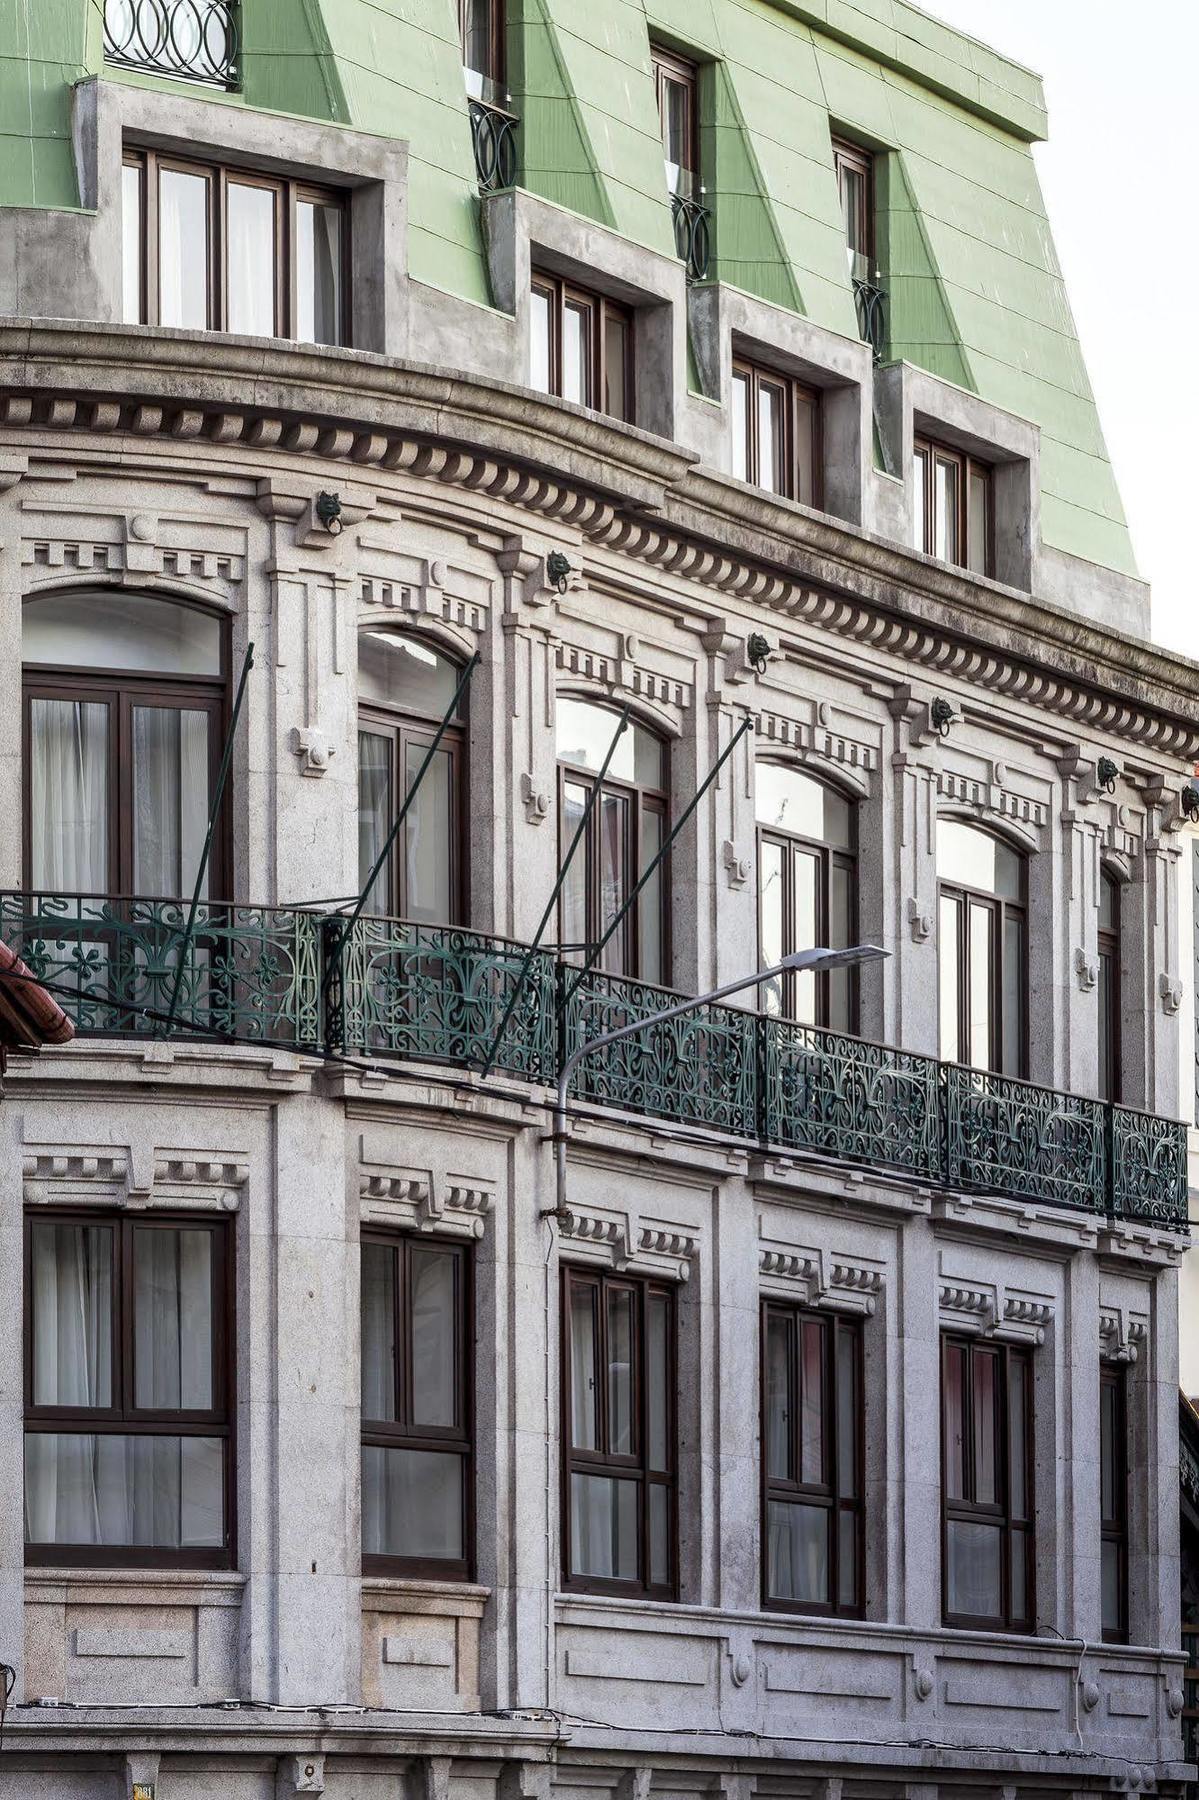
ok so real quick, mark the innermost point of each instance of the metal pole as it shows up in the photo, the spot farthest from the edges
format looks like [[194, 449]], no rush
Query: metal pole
[[801, 959], [205, 853], [552, 902], [594, 953]]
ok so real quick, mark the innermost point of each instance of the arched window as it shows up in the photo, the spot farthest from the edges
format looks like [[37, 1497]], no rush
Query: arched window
[[983, 945], [404, 688], [626, 830], [124, 711], [807, 891], [1109, 987]]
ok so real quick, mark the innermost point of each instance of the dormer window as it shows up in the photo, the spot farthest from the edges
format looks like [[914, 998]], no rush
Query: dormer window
[[581, 347], [675, 80], [855, 185], [482, 26], [776, 433], [952, 513]]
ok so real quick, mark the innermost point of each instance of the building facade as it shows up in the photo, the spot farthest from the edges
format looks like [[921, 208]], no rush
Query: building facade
[[511, 517]]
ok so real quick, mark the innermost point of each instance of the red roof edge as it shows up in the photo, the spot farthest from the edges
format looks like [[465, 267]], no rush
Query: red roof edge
[[29, 1017]]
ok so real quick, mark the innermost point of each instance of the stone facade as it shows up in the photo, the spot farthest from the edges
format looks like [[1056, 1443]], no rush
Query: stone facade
[[190, 465]]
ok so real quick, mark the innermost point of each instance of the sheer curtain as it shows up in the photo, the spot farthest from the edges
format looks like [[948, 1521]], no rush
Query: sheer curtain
[[374, 810], [170, 798], [183, 249], [69, 795], [250, 259]]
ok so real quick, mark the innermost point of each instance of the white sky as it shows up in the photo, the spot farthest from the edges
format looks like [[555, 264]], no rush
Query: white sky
[[1118, 179]]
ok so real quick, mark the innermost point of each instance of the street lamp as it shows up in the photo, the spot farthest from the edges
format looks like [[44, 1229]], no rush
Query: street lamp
[[815, 961]]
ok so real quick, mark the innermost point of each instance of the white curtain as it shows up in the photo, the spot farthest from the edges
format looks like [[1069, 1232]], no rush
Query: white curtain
[[432, 1338], [183, 249], [374, 812], [170, 798], [411, 1503], [250, 259], [69, 795], [603, 1527]]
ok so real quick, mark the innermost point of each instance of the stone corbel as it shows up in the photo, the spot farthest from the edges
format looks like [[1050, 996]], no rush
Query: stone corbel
[[304, 1774], [537, 804], [1120, 1334], [313, 748], [1086, 969], [412, 1200], [620, 1241], [142, 553], [132, 1177], [519, 565], [1170, 993], [737, 868], [920, 923], [991, 1310], [732, 649], [817, 1278], [908, 709]]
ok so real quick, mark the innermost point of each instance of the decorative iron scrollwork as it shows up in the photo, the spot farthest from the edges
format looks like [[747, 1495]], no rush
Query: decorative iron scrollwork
[[871, 302], [196, 40], [692, 234], [493, 133]]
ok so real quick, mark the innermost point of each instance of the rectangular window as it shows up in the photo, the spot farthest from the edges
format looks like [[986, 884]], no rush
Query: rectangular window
[[213, 249], [618, 1433], [128, 1399], [581, 347], [675, 81], [811, 1461], [417, 1385], [1113, 1500], [481, 23], [987, 1509], [855, 188], [952, 508], [776, 433]]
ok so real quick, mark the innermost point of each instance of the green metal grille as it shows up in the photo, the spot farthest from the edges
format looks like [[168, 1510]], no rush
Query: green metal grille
[[437, 994]]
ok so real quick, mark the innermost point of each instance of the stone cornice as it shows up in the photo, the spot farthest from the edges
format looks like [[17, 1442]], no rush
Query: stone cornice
[[619, 488]]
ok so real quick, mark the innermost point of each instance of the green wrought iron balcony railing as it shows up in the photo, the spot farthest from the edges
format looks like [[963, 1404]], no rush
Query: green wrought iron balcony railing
[[386, 988], [493, 136], [195, 40]]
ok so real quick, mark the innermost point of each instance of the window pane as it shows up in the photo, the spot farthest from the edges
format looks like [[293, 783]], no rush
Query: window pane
[[676, 134], [584, 734], [811, 1376], [98, 628], [620, 1371], [68, 788], [978, 521], [378, 1311], [584, 1427], [575, 932], [649, 906], [1107, 1450], [412, 1503], [788, 800], [1109, 1581], [478, 47], [848, 1484], [973, 1557], [1021, 1545], [183, 268], [920, 500], [118, 1489], [250, 259], [770, 904], [1013, 995], [779, 1403], [659, 1535], [807, 442], [949, 914], [797, 1552], [839, 934], [576, 353], [433, 1288], [953, 1404], [980, 931], [614, 884], [1109, 904], [657, 1379], [540, 340], [945, 510], [772, 468], [847, 1559], [975, 859], [616, 365], [741, 426], [1107, 1046], [71, 1313], [986, 1372], [1017, 1435], [172, 1320], [805, 886], [428, 837], [318, 272], [170, 799], [375, 814], [401, 672], [603, 1527], [133, 232], [853, 208]]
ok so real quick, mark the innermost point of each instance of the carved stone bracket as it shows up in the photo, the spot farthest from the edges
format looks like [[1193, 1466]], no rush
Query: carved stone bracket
[[1121, 1334], [737, 868], [820, 1278], [538, 805], [622, 1240], [120, 1176], [413, 1200], [1086, 969], [313, 748], [1170, 993], [920, 923], [992, 1310]]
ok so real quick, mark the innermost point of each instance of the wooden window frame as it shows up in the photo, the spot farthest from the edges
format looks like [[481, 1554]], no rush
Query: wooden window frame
[[824, 1493], [497, 74], [288, 192], [401, 1433], [1002, 1515], [798, 396], [121, 690], [679, 71], [929, 451], [861, 162], [640, 799], [964, 897], [1114, 1530], [635, 1465], [599, 309], [125, 1418], [829, 858], [1109, 946], [403, 729]]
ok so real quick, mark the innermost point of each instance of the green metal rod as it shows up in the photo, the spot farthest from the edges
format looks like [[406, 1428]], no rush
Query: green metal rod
[[594, 953], [552, 902], [213, 812], [349, 924]]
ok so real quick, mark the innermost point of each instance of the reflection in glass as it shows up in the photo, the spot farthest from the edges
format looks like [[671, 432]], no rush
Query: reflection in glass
[[400, 672], [183, 271], [972, 1550], [616, 365], [584, 1434], [428, 848], [378, 1304], [374, 814], [945, 510], [170, 798], [172, 1313], [976, 859], [68, 786], [741, 426], [620, 1372], [250, 280], [540, 341], [584, 736], [318, 272], [603, 1527], [70, 1331], [797, 1552], [434, 1363], [118, 1489], [576, 353], [132, 237], [412, 1503], [772, 437], [100, 628], [657, 1379]]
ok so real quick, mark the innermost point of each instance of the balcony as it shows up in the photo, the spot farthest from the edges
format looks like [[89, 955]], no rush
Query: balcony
[[692, 234], [870, 299], [392, 990], [193, 40], [493, 134]]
